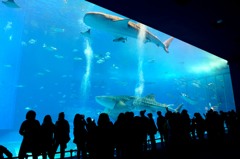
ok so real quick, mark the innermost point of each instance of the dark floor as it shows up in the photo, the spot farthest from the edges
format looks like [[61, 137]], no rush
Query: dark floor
[[195, 150]]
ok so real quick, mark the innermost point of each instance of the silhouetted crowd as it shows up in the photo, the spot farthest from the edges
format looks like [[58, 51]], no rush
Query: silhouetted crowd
[[130, 136]]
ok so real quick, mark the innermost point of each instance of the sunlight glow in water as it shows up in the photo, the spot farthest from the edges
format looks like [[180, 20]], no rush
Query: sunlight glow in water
[[140, 85], [216, 63], [85, 81]]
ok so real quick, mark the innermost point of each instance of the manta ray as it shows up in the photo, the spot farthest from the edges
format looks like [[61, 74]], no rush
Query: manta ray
[[121, 28], [10, 4]]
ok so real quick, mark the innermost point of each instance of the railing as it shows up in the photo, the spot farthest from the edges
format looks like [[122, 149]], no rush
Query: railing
[[70, 151]]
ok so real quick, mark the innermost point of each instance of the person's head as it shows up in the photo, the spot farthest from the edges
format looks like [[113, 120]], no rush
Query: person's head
[[61, 116], [159, 113], [149, 115], [103, 119], [47, 119], [142, 112], [31, 115], [81, 116], [89, 119]]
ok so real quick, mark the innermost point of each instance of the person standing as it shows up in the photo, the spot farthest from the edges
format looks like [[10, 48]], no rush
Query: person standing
[[47, 134], [80, 135], [30, 129], [61, 134], [162, 127], [152, 130]]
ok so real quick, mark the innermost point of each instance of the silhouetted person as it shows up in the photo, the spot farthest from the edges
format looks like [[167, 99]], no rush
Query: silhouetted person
[[232, 127], [61, 134], [152, 130], [200, 126], [104, 140], [5, 151], [136, 139], [145, 127], [130, 125], [91, 137], [30, 129], [193, 128], [80, 135], [47, 134], [212, 128], [120, 136], [185, 127], [161, 125]]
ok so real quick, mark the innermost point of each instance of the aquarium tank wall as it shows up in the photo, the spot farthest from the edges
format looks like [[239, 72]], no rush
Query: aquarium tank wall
[[76, 57]]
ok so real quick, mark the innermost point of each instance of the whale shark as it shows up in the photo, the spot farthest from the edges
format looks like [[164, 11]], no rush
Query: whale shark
[[119, 104], [121, 28]]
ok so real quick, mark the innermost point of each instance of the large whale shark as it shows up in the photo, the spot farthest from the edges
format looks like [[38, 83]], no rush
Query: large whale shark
[[121, 28], [120, 104]]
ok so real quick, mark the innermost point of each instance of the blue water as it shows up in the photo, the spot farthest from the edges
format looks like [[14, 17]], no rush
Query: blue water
[[47, 65]]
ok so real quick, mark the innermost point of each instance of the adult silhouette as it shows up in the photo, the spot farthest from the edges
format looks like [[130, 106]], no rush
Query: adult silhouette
[[30, 129], [80, 135], [161, 125], [145, 128], [91, 137], [104, 137], [47, 133], [152, 130], [61, 134]]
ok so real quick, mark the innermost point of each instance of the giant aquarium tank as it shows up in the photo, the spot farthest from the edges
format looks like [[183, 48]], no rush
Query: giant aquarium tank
[[76, 57]]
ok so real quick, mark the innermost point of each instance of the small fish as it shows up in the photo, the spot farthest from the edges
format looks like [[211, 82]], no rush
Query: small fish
[[102, 60], [107, 57], [59, 56], [32, 41], [108, 53], [23, 43], [8, 65], [151, 61], [20, 86], [8, 26], [27, 108], [10, 37], [120, 39], [75, 50], [40, 74], [49, 48], [57, 30], [77, 58]]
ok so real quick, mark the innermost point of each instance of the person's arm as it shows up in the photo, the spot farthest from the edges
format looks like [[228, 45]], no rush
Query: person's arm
[[22, 129]]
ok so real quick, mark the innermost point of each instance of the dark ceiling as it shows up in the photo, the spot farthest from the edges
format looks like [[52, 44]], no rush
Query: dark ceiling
[[212, 25]]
